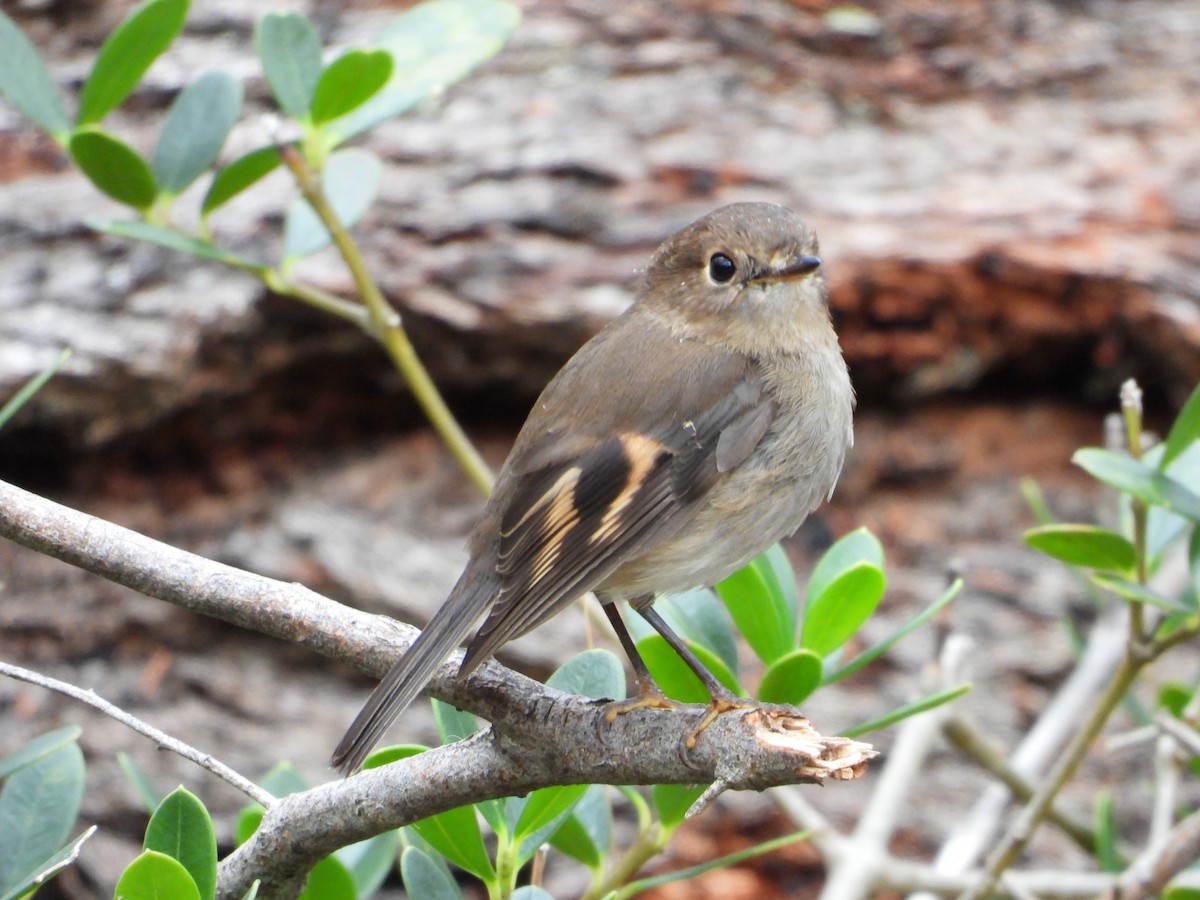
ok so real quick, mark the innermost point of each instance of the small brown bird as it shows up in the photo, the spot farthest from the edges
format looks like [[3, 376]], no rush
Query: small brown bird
[[698, 428]]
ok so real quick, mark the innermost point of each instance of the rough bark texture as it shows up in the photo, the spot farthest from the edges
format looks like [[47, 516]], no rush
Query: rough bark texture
[[1009, 205]]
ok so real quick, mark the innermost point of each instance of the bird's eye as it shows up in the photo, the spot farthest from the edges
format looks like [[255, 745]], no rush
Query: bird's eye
[[721, 268]]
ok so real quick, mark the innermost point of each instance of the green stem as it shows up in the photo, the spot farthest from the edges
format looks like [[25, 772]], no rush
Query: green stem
[[385, 326], [1021, 834], [648, 844]]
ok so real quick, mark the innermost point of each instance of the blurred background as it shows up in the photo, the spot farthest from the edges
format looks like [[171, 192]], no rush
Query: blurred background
[[1008, 199]]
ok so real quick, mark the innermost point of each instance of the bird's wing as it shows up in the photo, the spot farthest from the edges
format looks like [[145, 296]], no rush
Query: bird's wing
[[582, 507]]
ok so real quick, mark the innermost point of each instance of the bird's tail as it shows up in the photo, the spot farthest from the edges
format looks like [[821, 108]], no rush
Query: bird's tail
[[408, 677]]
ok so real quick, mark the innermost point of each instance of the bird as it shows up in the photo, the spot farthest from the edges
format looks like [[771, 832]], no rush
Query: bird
[[687, 436]]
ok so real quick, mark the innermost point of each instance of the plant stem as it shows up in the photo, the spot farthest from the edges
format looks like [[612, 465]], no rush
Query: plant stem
[[1019, 836], [385, 326]]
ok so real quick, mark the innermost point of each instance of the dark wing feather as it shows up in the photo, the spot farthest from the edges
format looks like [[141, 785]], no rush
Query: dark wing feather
[[569, 524]]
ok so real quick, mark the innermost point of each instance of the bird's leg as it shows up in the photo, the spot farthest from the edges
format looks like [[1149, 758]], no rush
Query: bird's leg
[[649, 696], [721, 698]]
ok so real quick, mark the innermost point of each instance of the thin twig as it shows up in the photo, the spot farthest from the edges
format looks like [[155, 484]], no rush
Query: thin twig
[[967, 739], [164, 740], [386, 327]]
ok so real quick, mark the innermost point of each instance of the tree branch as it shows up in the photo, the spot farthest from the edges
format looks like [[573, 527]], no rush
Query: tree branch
[[540, 736]]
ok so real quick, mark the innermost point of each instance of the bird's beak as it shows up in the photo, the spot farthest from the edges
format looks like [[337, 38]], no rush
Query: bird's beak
[[797, 268]]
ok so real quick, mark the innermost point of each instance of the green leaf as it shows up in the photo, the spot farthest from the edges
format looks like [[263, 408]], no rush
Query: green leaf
[[348, 82], [1107, 855], [1138, 593], [386, 755], [762, 603], [370, 862], [38, 748], [114, 167], [329, 880], [195, 130], [350, 180], [240, 174], [127, 54], [453, 724], [284, 779], [150, 796], [252, 893], [181, 828], [586, 834], [593, 673], [47, 869], [673, 676], [173, 240], [856, 547], [38, 806], [1181, 893], [291, 59], [833, 616], [455, 834], [791, 678], [873, 653], [1136, 478], [432, 45], [156, 876], [426, 878], [701, 618], [248, 820], [1088, 546], [26, 83], [1185, 431], [541, 814], [909, 709], [31, 387], [672, 801]]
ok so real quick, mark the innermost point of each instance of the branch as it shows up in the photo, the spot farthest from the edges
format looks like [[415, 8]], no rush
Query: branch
[[540, 736], [1152, 871], [187, 751]]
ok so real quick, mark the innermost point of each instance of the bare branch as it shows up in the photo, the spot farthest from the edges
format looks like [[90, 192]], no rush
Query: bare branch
[[164, 740], [540, 736]]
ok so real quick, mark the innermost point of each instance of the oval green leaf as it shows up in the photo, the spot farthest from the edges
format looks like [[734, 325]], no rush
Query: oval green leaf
[[543, 812], [673, 676], [858, 546], [453, 724], [1088, 546], [350, 180], [348, 82], [26, 83], [127, 54], [832, 617], [329, 880], [791, 678], [181, 828], [38, 806], [240, 174], [672, 801], [586, 834], [370, 862], [432, 45], [1133, 477], [114, 167], [455, 834], [426, 878], [153, 876], [761, 608], [195, 130], [290, 52], [38, 748], [593, 673]]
